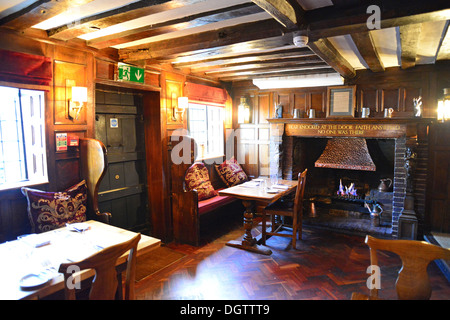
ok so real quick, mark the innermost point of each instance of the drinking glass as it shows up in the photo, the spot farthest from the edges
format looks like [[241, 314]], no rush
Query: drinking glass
[[273, 179]]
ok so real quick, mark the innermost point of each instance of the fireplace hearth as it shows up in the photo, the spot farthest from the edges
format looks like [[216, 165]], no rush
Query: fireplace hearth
[[344, 196]]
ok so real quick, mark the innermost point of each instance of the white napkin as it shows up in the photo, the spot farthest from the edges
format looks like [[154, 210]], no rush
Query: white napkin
[[280, 187]]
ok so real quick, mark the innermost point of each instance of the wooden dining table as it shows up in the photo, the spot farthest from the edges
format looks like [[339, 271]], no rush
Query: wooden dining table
[[251, 192], [41, 254]]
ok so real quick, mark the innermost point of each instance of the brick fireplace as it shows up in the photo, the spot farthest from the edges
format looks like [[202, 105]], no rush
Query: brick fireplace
[[297, 143]]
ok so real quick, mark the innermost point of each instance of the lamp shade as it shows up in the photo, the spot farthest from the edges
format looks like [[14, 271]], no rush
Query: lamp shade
[[79, 94], [183, 103]]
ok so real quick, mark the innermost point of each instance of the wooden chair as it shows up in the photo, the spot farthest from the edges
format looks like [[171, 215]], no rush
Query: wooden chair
[[93, 163], [289, 209], [105, 283], [412, 282]]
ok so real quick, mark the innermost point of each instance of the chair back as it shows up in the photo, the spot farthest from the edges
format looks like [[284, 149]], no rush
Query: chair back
[[298, 200], [105, 283], [93, 165], [412, 282]]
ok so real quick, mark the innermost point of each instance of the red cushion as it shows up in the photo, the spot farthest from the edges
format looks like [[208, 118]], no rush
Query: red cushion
[[231, 173], [197, 178], [213, 203]]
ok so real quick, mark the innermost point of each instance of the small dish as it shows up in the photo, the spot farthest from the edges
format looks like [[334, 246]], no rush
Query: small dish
[[272, 191], [33, 281]]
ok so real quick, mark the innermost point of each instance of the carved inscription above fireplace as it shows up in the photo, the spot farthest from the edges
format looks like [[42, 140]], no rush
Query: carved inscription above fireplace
[[345, 128]]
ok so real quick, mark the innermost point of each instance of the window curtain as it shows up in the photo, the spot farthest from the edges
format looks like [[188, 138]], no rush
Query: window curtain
[[206, 94], [25, 68]]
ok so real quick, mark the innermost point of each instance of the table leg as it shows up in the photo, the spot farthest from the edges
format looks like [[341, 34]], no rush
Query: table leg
[[248, 242]]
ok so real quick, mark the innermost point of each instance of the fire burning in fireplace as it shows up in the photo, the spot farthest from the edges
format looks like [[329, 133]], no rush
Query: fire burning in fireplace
[[347, 191]]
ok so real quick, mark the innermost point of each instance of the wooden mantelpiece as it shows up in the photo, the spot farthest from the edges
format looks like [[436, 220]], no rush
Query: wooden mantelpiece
[[350, 127]]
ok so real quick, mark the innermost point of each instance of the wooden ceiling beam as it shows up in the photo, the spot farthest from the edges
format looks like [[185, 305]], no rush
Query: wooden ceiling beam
[[109, 18], [331, 21], [228, 39], [187, 22], [409, 40], [324, 49], [282, 73], [280, 10], [270, 68], [368, 51], [200, 60], [256, 64], [36, 12]]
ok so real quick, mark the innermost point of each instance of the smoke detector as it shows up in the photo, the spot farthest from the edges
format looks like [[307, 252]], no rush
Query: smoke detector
[[300, 39]]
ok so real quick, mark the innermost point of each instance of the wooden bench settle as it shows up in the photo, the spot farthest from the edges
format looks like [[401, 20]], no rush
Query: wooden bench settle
[[187, 209]]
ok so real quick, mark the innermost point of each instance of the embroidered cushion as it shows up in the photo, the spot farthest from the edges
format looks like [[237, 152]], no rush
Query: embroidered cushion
[[197, 177], [231, 173], [52, 210]]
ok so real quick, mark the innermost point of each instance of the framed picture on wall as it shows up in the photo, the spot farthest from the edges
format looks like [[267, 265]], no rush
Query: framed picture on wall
[[341, 102]]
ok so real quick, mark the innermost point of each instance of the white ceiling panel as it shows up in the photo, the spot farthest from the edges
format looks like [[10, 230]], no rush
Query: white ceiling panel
[[386, 42], [348, 50], [429, 41], [314, 4]]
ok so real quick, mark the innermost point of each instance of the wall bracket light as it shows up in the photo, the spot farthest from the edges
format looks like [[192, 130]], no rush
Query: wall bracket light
[[77, 101], [443, 108]]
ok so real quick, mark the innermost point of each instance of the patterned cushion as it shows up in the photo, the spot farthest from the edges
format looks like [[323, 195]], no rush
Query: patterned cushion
[[52, 210], [231, 173], [197, 177]]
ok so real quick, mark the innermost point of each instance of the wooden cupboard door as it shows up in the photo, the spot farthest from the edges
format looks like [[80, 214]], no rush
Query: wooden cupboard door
[[123, 191]]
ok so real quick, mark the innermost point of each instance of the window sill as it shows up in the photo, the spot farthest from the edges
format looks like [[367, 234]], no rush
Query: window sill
[[211, 158], [18, 185]]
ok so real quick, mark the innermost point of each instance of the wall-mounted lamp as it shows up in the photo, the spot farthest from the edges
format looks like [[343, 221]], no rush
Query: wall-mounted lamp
[[243, 111], [443, 109], [180, 108], [76, 102]]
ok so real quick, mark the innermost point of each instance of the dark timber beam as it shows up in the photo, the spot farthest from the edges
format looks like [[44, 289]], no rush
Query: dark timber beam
[[368, 51], [324, 49], [223, 40], [201, 59], [106, 19], [256, 64], [409, 39], [195, 20], [285, 73], [280, 10]]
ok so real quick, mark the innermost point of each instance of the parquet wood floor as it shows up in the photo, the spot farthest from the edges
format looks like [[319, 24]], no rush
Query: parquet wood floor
[[325, 266]]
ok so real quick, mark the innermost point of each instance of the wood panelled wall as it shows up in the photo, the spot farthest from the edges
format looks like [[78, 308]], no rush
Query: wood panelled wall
[[395, 88]]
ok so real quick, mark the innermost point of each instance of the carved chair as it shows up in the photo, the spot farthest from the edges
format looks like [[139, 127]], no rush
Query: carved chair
[[412, 282], [94, 163], [286, 209], [105, 283]]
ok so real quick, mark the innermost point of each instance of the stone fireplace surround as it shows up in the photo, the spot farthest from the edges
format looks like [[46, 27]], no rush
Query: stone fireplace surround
[[406, 133]]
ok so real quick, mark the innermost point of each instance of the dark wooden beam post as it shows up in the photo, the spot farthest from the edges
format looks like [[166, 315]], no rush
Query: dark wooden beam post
[[324, 49], [368, 51], [280, 10]]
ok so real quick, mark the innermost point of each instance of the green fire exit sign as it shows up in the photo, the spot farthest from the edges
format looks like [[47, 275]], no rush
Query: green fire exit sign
[[130, 73]]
